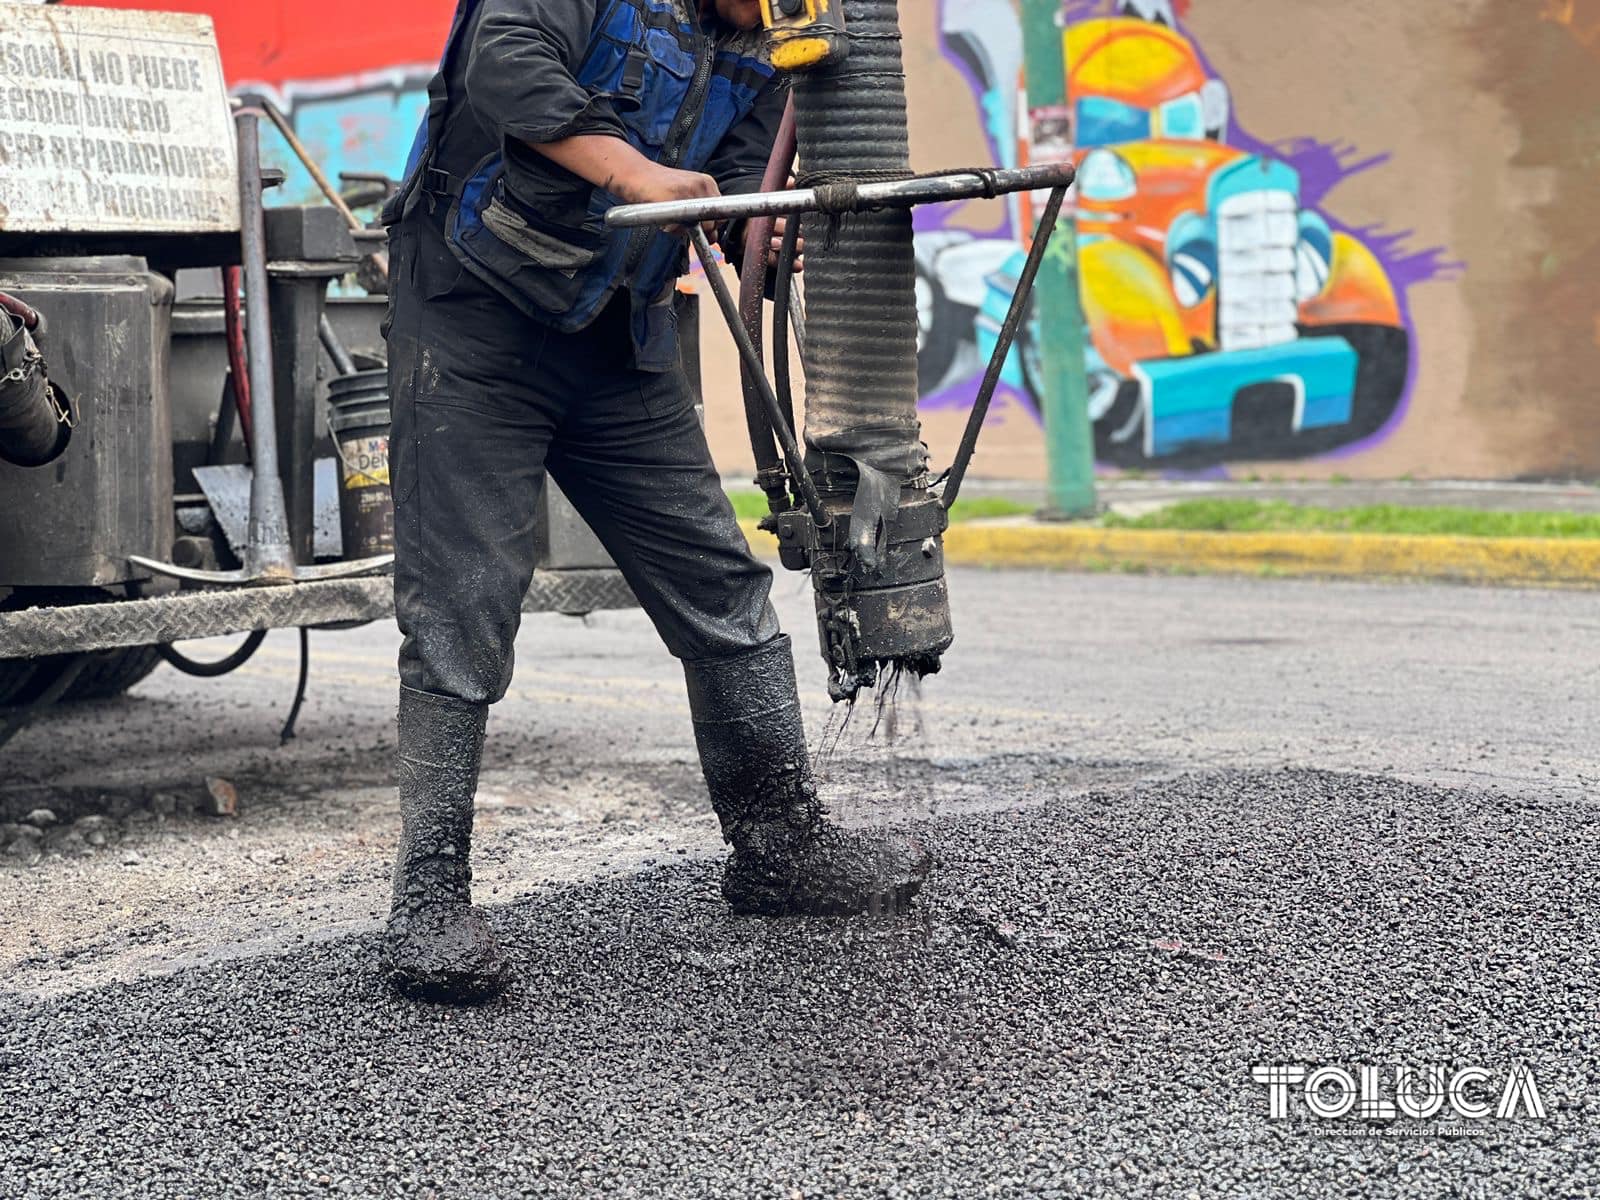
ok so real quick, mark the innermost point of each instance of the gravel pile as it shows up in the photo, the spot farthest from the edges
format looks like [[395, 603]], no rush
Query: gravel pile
[[1073, 1010]]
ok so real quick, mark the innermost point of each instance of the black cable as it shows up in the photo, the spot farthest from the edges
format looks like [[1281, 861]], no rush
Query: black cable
[[300, 688], [801, 477], [212, 670]]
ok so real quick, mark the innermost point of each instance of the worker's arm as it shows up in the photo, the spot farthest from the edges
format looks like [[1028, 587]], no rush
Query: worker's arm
[[521, 83], [616, 167], [521, 72]]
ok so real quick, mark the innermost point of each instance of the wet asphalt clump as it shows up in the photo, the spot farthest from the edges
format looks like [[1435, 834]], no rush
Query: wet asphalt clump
[[1072, 1008]]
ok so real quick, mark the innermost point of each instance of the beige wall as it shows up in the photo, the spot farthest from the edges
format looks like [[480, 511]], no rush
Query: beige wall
[[1489, 114]]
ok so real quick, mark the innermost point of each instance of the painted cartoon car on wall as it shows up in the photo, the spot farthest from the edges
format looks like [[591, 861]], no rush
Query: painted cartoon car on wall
[[1221, 313], [1226, 320]]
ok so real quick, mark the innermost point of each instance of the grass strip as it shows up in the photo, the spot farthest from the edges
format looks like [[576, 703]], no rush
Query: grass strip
[[751, 505], [1280, 516]]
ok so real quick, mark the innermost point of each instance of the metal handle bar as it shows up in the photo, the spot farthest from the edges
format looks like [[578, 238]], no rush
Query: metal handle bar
[[899, 193]]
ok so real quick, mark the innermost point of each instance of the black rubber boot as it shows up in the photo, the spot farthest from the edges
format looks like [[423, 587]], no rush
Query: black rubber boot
[[787, 859], [437, 946]]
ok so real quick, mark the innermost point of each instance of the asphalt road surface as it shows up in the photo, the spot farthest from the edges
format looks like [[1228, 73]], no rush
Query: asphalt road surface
[[1185, 827]]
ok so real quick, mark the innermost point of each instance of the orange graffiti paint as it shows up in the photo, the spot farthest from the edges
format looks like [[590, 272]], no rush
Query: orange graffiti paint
[[1581, 18]]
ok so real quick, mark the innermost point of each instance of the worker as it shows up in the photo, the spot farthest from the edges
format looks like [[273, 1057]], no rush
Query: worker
[[524, 339]]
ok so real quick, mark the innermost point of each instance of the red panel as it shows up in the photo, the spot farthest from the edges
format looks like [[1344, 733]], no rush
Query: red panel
[[275, 41]]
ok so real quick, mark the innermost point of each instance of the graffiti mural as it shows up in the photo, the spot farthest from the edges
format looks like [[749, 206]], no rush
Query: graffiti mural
[[1228, 317]]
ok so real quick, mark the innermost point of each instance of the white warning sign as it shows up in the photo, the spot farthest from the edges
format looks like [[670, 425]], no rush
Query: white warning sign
[[113, 121]]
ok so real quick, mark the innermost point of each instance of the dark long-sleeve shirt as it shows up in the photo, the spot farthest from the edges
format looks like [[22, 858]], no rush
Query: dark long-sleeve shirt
[[517, 84]]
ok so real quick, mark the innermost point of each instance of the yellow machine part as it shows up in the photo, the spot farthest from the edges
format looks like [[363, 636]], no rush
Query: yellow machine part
[[810, 36]]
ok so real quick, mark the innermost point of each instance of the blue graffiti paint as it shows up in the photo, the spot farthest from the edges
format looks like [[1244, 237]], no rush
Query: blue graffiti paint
[[1191, 402], [364, 130]]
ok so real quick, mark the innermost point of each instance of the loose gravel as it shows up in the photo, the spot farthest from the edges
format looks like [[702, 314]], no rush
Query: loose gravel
[[1073, 1009]]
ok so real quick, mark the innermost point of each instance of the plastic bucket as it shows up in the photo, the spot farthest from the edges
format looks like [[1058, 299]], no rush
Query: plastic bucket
[[358, 418]]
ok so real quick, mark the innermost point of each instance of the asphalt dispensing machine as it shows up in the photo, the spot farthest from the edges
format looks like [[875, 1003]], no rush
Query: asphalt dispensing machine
[[859, 507]]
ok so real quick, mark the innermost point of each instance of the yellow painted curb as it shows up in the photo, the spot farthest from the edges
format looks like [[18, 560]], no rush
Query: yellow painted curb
[[1540, 562]]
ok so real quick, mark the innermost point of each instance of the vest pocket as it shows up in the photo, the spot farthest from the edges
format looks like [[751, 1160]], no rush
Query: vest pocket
[[662, 88], [546, 256], [547, 197], [545, 249]]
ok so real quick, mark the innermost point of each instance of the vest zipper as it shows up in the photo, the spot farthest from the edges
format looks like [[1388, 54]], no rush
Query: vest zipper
[[672, 152]]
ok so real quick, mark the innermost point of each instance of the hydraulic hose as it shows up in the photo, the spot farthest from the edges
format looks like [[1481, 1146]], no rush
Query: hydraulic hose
[[770, 475], [21, 311], [287, 732], [35, 427], [238, 368], [212, 670]]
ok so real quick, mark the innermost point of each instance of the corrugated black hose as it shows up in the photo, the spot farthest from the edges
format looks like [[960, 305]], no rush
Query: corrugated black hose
[[861, 310]]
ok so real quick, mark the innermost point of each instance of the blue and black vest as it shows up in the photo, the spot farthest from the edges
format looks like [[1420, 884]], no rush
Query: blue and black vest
[[535, 232]]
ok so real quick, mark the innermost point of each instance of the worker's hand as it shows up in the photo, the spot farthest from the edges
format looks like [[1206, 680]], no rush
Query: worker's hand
[[646, 182], [775, 252]]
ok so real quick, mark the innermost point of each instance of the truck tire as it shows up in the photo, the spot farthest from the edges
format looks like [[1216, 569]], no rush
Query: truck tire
[[108, 673], [16, 675], [113, 672]]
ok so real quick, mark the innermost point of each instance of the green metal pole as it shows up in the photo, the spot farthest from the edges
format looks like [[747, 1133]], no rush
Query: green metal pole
[[1069, 444]]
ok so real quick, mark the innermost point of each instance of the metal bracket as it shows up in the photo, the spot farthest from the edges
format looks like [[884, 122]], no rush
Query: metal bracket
[[269, 557], [265, 575], [881, 594], [1002, 346]]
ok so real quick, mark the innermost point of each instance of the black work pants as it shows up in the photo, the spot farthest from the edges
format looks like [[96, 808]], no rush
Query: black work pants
[[486, 401]]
